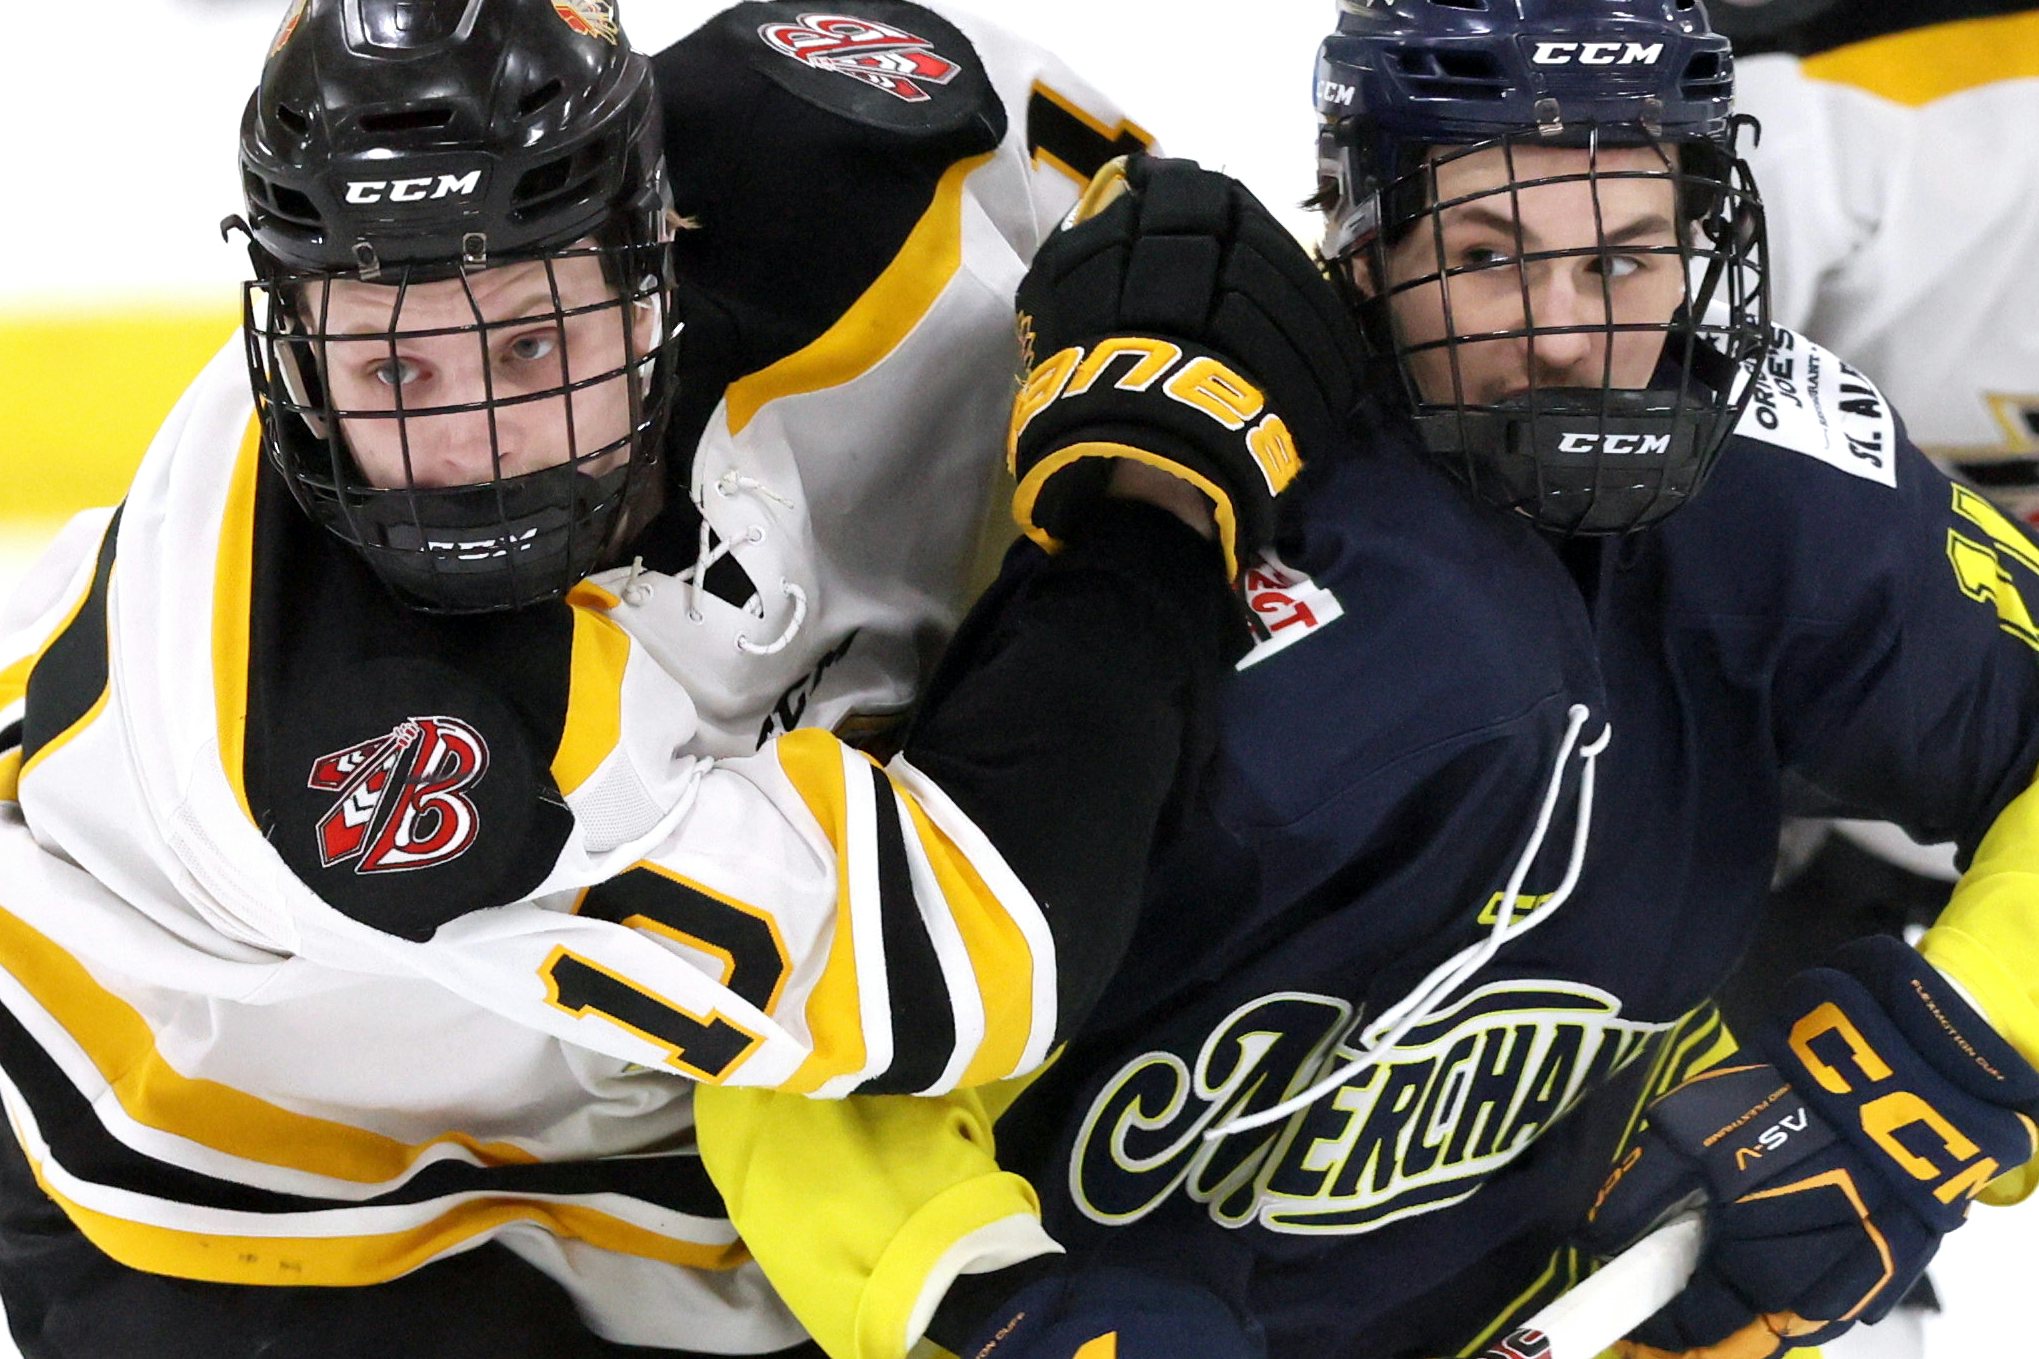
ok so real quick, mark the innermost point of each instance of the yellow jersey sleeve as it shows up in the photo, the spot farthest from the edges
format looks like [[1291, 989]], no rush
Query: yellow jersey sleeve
[[862, 1211], [1987, 942]]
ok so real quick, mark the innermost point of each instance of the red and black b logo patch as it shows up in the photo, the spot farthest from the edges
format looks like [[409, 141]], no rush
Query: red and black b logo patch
[[400, 797]]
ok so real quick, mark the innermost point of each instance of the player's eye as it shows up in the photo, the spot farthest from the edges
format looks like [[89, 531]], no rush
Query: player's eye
[[395, 372], [1617, 267], [1483, 257], [532, 346]]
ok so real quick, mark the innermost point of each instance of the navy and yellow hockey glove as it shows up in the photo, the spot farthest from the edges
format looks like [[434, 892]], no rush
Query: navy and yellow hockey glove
[[1831, 1171], [1173, 321], [1114, 1313]]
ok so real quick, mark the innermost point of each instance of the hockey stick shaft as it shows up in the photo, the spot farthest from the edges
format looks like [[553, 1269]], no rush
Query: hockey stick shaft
[[1611, 1303]]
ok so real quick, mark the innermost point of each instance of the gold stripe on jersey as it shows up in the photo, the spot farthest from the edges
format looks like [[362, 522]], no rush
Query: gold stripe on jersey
[[880, 320], [594, 705], [813, 761], [353, 1261], [1924, 64], [1000, 956], [232, 593], [14, 679], [119, 1043], [10, 775]]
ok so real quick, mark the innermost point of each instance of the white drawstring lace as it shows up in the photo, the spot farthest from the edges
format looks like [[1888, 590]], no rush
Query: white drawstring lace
[[707, 552], [729, 483], [635, 591], [1427, 998], [799, 598]]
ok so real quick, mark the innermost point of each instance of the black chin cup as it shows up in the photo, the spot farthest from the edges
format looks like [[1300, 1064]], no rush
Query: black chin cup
[[475, 549], [1583, 461]]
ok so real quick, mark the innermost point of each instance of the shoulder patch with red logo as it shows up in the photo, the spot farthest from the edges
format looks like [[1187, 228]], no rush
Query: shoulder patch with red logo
[[882, 56], [1287, 606], [400, 802]]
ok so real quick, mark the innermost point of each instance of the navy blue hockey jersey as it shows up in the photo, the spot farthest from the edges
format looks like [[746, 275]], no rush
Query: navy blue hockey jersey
[[1832, 622]]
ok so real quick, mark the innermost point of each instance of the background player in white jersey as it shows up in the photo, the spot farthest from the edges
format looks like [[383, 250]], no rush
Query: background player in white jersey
[[371, 895], [1900, 209]]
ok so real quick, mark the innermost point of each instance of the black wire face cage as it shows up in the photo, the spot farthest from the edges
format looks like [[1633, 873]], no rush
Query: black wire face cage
[[1602, 413], [482, 444]]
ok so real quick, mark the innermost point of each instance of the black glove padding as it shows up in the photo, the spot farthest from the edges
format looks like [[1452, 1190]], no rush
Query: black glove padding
[[1831, 1171], [1115, 1313], [1175, 322]]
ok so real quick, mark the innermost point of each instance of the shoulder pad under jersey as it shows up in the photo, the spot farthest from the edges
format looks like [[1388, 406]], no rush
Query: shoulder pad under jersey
[[884, 64], [1807, 399], [804, 147]]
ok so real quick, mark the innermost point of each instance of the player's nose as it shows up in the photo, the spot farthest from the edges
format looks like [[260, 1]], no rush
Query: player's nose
[[459, 448], [1564, 323]]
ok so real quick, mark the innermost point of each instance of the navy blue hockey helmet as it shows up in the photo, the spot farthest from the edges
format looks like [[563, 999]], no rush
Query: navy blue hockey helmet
[[405, 149], [1441, 112]]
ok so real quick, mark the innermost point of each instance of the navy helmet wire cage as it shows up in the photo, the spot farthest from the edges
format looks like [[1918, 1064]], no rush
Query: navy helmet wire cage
[[398, 154], [1442, 113]]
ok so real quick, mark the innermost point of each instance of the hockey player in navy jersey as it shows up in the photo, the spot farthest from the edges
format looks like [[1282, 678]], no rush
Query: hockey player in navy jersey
[[428, 776], [1416, 1021]]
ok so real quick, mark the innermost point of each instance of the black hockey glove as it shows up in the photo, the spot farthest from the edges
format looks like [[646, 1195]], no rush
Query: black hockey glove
[[1175, 322], [1830, 1172], [1114, 1313]]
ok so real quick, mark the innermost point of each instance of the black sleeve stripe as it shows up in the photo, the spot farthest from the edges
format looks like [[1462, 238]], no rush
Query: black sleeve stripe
[[1060, 133], [68, 680], [923, 1025]]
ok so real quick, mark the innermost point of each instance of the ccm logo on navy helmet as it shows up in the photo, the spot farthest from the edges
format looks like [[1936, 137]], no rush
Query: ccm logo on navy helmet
[[1616, 445], [423, 189], [1335, 92], [1597, 53]]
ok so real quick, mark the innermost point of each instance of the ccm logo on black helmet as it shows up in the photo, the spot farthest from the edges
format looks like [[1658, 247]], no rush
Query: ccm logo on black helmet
[[424, 189], [1597, 53]]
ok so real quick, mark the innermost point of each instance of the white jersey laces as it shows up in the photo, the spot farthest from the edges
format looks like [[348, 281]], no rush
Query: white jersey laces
[[1429, 996]]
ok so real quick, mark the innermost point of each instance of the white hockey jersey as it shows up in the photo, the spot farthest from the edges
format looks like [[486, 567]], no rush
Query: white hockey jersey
[[1899, 175], [300, 985]]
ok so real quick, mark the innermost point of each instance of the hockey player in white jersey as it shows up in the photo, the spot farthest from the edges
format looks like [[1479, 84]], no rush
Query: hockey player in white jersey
[[1903, 211], [426, 777]]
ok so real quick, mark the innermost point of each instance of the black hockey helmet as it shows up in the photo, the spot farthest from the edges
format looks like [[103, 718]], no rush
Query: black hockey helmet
[[1408, 87], [412, 145]]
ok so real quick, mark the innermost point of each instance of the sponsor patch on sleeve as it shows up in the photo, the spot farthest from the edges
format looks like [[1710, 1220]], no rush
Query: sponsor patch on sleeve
[[1287, 607], [1806, 399]]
